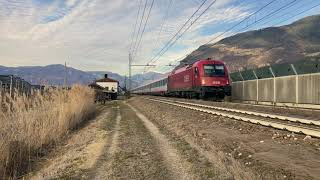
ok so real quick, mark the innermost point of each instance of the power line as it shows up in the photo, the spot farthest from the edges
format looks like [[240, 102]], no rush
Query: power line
[[297, 14], [142, 17], [238, 23], [164, 20], [241, 21], [285, 12], [186, 29], [179, 29], [264, 18], [144, 27], [257, 21], [135, 26], [273, 12], [170, 44]]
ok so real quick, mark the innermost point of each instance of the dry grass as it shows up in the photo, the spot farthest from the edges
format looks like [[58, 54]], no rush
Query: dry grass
[[29, 124]]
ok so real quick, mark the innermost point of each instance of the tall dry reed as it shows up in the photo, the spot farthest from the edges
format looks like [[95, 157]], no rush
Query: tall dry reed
[[29, 124]]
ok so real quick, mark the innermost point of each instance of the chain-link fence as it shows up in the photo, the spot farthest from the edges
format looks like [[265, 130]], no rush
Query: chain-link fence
[[279, 70], [12, 84]]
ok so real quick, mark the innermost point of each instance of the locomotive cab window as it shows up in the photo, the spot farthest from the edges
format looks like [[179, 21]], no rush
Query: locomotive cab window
[[213, 70]]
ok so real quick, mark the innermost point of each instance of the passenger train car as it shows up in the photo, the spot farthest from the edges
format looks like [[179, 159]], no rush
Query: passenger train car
[[203, 79]]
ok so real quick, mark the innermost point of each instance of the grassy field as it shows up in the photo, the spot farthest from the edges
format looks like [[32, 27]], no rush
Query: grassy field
[[28, 125]]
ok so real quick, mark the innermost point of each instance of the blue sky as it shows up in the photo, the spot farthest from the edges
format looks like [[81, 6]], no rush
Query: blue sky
[[96, 34]]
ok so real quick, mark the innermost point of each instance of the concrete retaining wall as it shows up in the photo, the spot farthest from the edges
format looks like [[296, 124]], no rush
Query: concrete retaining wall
[[309, 89], [286, 89], [266, 90], [302, 89], [250, 90], [237, 90]]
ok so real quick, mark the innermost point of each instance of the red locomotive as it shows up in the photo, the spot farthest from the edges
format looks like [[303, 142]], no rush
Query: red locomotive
[[203, 79]]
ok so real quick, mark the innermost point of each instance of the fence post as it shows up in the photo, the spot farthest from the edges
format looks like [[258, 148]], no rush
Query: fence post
[[1, 89], [22, 87], [11, 81], [274, 85], [257, 86], [242, 98], [297, 83]]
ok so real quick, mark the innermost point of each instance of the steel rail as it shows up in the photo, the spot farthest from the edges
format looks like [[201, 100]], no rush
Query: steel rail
[[315, 132], [278, 105], [285, 118]]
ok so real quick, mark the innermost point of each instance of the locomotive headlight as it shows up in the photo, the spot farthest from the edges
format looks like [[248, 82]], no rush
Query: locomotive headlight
[[203, 81], [227, 82]]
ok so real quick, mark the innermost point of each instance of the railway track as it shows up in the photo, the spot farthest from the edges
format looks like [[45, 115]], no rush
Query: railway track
[[292, 124]]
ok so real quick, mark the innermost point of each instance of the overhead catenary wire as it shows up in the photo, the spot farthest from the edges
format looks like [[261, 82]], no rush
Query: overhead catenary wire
[[175, 35], [140, 24], [297, 14], [257, 21], [238, 23], [164, 21], [229, 29], [268, 15], [135, 26], [292, 5], [186, 29], [171, 43], [144, 28]]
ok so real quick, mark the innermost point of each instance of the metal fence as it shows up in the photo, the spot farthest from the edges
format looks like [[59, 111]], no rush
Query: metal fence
[[297, 83], [12, 84]]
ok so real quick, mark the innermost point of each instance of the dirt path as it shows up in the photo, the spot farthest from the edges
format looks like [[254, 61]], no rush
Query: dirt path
[[143, 140], [105, 162], [178, 167], [134, 154], [236, 150], [119, 144]]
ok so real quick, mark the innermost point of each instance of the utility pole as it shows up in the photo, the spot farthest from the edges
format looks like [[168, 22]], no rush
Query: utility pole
[[65, 75], [125, 82], [129, 78]]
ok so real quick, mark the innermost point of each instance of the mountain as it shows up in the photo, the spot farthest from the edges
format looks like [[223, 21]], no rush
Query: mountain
[[137, 79], [51, 74], [55, 74], [115, 76], [252, 49]]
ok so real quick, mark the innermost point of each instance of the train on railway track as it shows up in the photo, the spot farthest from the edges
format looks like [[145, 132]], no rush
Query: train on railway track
[[203, 79]]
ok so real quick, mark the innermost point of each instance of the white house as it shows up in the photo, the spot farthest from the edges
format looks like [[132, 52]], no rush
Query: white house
[[108, 84]]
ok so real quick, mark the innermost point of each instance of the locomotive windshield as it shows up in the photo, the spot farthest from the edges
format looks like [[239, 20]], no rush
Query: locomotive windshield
[[213, 70]]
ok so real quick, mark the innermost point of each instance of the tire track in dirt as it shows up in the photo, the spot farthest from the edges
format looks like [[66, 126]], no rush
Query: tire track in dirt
[[238, 150], [132, 153], [114, 141], [111, 150], [217, 163], [178, 167]]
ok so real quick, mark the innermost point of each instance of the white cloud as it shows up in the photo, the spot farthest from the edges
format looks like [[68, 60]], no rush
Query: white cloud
[[71, 3], [96, 34]]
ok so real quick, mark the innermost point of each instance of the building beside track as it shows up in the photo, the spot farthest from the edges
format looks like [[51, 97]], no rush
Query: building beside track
[[106, 88]]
